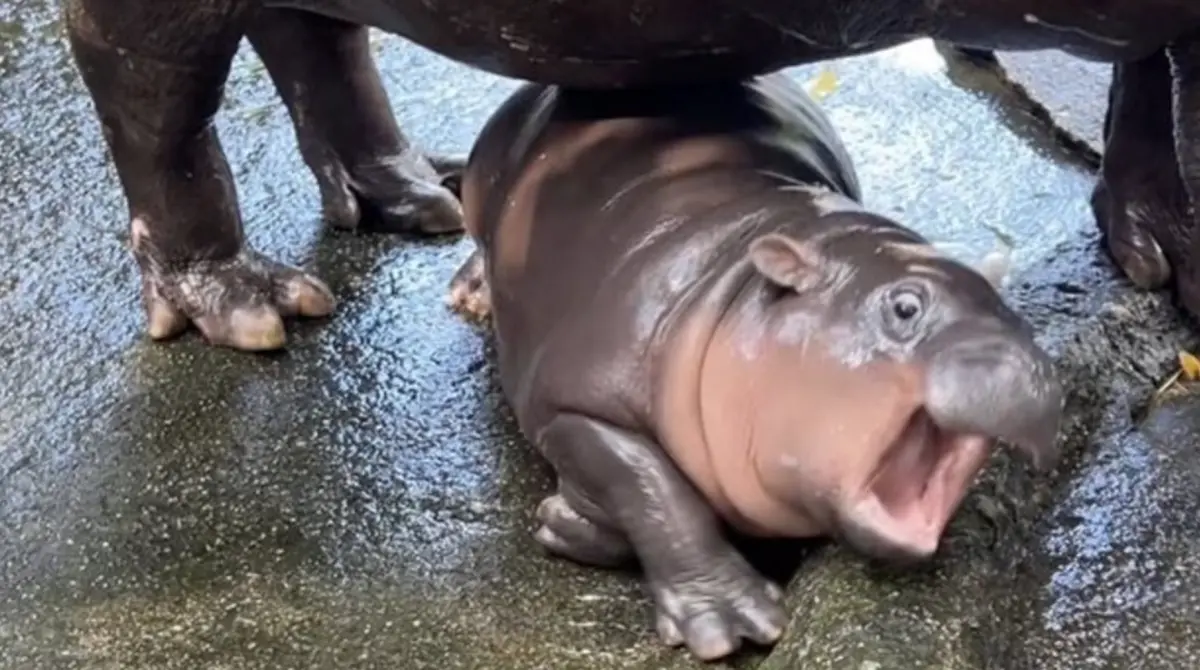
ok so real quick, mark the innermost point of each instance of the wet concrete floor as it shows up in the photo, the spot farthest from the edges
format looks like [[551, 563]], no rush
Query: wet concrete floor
[[362, 500], [1123, 539]]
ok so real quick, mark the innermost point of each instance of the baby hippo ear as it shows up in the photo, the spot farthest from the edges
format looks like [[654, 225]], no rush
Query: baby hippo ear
[[786, 261]]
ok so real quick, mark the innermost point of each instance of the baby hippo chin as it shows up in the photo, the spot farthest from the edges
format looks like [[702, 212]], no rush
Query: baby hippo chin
[[698, 323]]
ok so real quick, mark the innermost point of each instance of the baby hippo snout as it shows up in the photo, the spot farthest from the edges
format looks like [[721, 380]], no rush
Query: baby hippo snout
[[991, 380], [984, 382]]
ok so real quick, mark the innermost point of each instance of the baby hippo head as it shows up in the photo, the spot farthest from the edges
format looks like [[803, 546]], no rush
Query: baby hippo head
[[884, 374]]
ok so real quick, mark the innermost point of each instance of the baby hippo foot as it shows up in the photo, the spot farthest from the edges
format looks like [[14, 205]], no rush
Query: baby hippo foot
[[469, 292], [399, 194], [713, 610], [236, 303], [567, 533]]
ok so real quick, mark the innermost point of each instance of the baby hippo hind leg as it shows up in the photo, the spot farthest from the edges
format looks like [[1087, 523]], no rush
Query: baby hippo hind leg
[[706, 594], [156, 80], [368, 172], [581, 537], [1139, 201]]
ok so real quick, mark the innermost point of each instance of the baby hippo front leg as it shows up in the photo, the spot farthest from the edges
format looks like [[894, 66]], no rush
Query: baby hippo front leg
[[707, 595]]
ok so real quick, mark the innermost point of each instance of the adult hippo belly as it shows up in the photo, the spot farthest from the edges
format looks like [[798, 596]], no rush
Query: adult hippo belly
[[697, 321], [156, 70], [634, 43]]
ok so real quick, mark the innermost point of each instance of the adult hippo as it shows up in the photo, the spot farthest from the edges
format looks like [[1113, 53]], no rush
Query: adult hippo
[[156, 71], [697, 321]]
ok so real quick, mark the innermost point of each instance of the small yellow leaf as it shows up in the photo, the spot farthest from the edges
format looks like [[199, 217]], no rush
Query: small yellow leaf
[[823, 85], [1190, 365]]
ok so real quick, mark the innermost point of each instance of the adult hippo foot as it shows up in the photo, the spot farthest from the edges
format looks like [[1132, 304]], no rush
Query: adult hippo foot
[[238, 303], [470, 295], [713, 609], [400, 194], [369, 174], [1140, 203], [1134, 249]]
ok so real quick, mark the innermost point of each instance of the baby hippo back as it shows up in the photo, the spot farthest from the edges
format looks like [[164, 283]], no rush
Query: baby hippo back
[[598, 213]]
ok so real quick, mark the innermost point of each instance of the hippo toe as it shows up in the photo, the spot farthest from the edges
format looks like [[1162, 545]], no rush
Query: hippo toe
[[711, 612]]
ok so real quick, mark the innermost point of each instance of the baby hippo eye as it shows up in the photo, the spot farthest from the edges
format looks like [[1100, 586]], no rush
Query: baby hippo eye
[[906, 305]]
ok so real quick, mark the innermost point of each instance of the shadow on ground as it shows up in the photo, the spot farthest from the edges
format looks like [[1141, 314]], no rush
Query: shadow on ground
[[363, 500]]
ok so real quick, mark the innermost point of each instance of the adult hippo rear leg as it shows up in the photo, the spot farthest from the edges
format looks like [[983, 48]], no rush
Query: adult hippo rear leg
[[1139, 201], [368, 173], [707, 596], [156, 78]]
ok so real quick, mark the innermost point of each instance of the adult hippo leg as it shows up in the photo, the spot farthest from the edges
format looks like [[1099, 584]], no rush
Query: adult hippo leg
[[367, 170], [706, 594], [1139, 200], [156, 78], [1185, 71]]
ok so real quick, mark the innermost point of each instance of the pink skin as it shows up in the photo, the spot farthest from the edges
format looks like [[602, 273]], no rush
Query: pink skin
[[852, 454], [906, 503]]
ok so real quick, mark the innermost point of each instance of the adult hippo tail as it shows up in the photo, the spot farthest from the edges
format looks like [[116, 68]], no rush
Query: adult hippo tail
[[156, 70], [697, 321]]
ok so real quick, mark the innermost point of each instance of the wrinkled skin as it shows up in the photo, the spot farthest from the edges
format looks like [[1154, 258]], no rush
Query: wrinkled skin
[[696, 322], [155, 72]]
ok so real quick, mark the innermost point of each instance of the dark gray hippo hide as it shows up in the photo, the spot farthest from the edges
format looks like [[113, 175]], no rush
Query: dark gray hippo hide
[[697, 322], [156, 70]]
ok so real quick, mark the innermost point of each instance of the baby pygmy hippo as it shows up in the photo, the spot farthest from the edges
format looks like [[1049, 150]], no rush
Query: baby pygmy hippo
[[697, 322]]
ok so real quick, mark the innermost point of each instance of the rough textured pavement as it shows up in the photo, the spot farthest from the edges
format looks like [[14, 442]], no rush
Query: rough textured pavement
[[363, 501], [1070, 91]]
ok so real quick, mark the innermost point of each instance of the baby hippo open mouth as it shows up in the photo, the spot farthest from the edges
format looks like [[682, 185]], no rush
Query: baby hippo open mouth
[[907, 500]]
